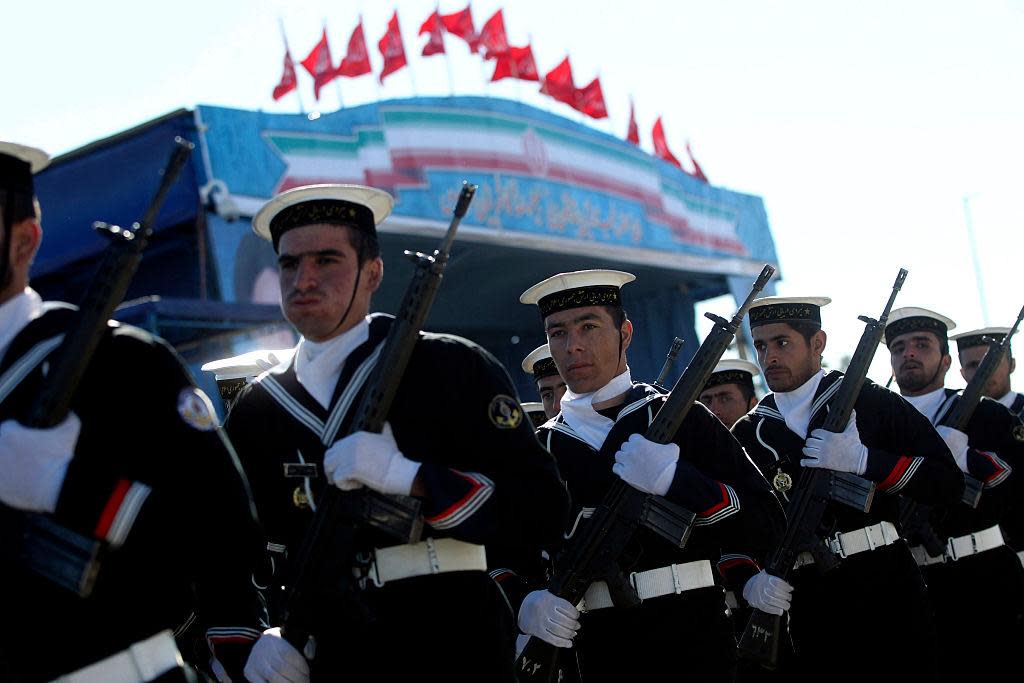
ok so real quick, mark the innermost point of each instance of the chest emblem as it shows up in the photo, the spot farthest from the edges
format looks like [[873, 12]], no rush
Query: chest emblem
[[505, 412], [782, 482]]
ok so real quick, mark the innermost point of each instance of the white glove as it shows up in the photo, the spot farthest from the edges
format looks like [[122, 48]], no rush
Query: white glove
[[842, 452], [646, 465], [957, 442], [34, 462], [368, 459], [768, 593], [546, 616], [274, 660], [218, 671]]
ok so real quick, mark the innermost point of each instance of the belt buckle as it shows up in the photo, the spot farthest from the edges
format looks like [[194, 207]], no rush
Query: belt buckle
[[677, 583], [835, 544]]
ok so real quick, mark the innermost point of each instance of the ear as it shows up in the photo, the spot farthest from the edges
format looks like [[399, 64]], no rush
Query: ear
[[818, 341], [25, 238], [964, 374], [751, 403], [373, 273], [944, 364], [626, 333], [1013, 364]]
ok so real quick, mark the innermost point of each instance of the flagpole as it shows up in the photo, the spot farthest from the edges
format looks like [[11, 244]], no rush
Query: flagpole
[[974, 257]]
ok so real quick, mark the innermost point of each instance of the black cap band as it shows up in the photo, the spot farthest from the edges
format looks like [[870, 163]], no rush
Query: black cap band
[[595, 295], [785, 313], [917, 323], [16, 175], [730, 377], [979, 340], [317, 211], [545, 367]]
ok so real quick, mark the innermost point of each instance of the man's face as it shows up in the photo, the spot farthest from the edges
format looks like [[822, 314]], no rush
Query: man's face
[[786, 358], [998, 384], [318, 268], [726, 402], [585, 345], [918, 362], [551, 389]]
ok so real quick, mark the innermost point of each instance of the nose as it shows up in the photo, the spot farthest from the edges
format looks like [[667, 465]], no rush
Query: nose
[[305, 276]]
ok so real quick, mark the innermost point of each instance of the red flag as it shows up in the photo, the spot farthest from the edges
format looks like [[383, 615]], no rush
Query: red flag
[[698, 172], [435, 29], [661, 145], [590, 100], [318, 63], [632, 132], [288, 79], [558, 83], [492, 37], [461, 24], [516, 63], [357, 60], [392, 49]]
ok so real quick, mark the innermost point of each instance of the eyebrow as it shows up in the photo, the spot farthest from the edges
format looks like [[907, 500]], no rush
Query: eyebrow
[[579, 319], [317, 252], [777, 337]]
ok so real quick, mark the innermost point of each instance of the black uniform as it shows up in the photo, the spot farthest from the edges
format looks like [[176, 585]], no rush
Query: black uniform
[[152, 477], [978, 599], [1017, 407], [874, 599], [488, 480], [738, 522]]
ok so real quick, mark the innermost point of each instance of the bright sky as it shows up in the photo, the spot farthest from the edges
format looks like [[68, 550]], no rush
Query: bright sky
[[864, 126]]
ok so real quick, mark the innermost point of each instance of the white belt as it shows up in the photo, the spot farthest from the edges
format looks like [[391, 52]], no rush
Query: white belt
[[958, 547], [1020, 556], [143, 661], [855, 542], [653, 583], [427, 557]]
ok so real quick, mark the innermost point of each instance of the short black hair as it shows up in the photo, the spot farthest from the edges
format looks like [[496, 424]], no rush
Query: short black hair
[[617, 313], [366, 245], [746, 390], [805, 329]]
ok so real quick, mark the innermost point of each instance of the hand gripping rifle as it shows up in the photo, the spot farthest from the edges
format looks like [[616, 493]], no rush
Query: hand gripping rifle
[[914, 517], [670, 360], [593, 553], [48, 549], [814, 491], [325, 557]]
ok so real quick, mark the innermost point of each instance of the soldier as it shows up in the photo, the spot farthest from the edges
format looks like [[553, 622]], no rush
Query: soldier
[[456, 439], [729, 393], [976, 559], [139, 465], [876, 596], [550, 385], [598, 436], [972, 347]]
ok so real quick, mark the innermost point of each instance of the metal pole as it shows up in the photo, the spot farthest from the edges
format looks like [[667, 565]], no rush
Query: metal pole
[[977, 263]]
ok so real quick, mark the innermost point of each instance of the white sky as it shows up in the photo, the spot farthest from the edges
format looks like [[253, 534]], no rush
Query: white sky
[[862, 125]]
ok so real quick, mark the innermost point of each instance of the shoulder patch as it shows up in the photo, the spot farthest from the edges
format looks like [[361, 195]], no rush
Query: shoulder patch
[[505, 412], [1018, 432], [196, 410]]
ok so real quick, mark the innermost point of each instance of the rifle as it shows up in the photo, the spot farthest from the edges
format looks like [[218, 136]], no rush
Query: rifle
[[593, 553], [814, 491], [65, 557], [318, 563], [915, 517], [670, 359]]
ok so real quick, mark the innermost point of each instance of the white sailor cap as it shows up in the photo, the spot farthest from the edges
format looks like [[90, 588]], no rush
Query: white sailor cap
[[966, 340], [914, 319], [577, 289], [539, 363], [17, 165], [357, 206], [733, 371], [787, 309], [248, 364]]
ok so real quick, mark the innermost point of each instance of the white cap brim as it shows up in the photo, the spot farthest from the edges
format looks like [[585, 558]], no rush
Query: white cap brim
[[37, 159], [575, 280], [379, 202]]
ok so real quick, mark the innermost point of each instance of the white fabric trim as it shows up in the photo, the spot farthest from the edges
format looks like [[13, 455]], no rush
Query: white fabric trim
[[22, 367], [578, 409], [318, 364], [797, 406], [469, 507], [126, 514], [731, 509], [16, 313]]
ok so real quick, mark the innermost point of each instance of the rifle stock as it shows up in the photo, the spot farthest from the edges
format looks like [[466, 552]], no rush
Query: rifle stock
[[815, 489], [593, 552], [322, 554]]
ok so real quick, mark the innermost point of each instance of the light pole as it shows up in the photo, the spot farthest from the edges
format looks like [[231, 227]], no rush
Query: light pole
[[974, 258]]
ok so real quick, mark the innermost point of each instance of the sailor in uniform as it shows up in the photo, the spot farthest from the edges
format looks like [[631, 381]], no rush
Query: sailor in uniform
[[971, 347], [682, 621], [456, 438], [729, 392], [550, 385], [875, 597]]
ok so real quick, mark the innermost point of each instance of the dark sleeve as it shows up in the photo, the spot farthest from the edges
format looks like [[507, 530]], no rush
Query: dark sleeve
[[496, 482], [996, 457], [906, 456], [179, 490], [718, 481]]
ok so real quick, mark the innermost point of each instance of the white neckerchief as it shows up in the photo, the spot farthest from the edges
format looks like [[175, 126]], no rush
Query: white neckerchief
[[318, 364], [16, 313], [578, 409], [795, 405], [928, 404], [1008, 400]]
